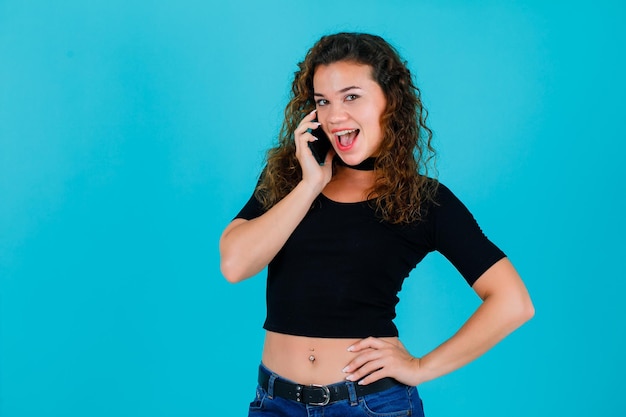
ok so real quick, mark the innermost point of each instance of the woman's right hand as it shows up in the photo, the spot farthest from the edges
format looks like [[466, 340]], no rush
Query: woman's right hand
[[313, 174], [247, 246]]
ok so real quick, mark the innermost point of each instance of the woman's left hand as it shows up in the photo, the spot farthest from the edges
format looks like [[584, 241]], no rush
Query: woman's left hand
[[377, 358]]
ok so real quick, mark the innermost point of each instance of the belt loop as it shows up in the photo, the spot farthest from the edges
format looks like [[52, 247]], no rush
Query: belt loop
[[270, 386], [352, 393]]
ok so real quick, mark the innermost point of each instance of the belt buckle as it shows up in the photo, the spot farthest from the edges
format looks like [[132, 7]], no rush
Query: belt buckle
[[326, 395]]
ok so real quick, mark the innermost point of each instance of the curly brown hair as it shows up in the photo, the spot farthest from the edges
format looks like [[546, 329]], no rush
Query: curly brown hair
[[402, 183]]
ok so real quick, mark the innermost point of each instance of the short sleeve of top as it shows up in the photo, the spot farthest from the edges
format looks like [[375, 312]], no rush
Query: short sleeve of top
[[458, 237], [251, 210]]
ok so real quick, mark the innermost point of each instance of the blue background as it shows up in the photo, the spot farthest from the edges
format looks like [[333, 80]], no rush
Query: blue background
[[132, 132]]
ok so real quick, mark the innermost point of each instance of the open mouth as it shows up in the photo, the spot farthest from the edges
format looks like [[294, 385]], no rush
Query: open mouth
[[346, 137]]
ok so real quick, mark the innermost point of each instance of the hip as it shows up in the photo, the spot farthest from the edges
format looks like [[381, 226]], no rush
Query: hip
[[277, 396]]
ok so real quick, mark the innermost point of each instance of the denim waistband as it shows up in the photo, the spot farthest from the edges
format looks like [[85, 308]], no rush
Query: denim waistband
[[275, 385]]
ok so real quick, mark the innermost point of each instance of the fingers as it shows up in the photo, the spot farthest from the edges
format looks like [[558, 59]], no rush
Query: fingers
[[303, 131], [378, 359], [314, 174], [370, 361], [370, 342], [372, 377], [303, 135], [365, 365]]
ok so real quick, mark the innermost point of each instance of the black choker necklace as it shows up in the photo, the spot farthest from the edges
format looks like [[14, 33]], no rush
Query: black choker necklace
[[366, 165]]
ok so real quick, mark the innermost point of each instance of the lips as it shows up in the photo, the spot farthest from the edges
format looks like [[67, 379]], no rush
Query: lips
[[345, 138]]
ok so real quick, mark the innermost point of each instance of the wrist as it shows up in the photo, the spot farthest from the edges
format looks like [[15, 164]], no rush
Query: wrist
[[422, 373], [307, 190], [310, 188]]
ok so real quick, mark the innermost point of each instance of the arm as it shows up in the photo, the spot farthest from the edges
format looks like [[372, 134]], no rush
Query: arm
[[505, 306], [247, 246]]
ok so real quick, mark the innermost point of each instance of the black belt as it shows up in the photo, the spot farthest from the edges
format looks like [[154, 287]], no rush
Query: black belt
[[321, 394]]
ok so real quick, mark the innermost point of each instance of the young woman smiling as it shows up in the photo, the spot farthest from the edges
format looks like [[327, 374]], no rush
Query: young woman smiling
[[340, 237]]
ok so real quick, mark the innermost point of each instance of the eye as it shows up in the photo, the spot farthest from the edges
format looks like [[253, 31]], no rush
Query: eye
[[351, 97], [321, 102]]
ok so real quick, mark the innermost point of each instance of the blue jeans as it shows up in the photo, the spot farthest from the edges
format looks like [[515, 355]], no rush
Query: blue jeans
[[400, 400]]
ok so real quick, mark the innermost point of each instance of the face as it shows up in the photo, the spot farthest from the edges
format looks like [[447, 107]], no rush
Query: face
[[349, 105]]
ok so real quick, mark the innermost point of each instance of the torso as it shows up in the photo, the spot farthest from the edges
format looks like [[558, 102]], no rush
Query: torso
[[310, 360]]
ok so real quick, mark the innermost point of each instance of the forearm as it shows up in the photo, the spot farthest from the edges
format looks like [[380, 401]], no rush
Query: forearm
[[489, 324], [506, 306], [246, 247]]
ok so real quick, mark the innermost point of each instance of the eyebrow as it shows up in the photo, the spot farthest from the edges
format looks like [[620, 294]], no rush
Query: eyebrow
[[343, 90]]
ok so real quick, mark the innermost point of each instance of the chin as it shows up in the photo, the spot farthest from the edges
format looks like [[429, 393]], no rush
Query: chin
[[351, 160], [354, 159]]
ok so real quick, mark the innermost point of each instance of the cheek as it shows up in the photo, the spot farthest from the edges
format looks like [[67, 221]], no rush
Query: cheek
[[375, 124], [378, 132]]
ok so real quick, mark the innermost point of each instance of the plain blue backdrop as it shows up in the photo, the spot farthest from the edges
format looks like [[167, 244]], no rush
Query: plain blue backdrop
[[132, 132]]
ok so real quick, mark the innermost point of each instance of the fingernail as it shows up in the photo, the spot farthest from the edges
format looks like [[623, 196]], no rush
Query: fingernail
[[344, 370], [350, 377], [360, 382], [351, 348]]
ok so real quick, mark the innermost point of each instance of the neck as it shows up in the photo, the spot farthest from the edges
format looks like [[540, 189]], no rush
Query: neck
[[367, 165]]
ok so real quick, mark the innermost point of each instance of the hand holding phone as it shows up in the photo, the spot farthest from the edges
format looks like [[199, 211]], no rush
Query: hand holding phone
[[321, 146]]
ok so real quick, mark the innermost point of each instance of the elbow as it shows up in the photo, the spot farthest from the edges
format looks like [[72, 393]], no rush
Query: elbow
[[523, 311], [513, 310], [230, 263], [236, 268], [528, 311], [230, 271]]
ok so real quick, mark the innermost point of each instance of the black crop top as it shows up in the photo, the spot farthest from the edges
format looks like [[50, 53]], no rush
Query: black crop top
[[339, 273]]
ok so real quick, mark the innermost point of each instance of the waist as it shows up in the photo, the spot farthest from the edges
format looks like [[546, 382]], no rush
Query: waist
[[309, 360], [319, 395]]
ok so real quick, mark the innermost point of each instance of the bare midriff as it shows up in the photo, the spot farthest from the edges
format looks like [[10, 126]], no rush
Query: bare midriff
[[309, 360]]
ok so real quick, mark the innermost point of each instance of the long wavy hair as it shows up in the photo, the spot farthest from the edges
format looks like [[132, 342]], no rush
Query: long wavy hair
[[402, 167]]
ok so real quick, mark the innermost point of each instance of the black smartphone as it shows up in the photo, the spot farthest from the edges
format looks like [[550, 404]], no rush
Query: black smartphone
[[321, 146]]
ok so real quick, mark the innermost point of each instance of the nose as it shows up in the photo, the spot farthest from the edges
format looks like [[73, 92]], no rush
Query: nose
[[336, 114]]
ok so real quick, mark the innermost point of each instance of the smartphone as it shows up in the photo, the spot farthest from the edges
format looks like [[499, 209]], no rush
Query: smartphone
[[321, 146]]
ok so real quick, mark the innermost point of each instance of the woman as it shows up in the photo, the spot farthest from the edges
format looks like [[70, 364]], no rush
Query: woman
[[340, 236]]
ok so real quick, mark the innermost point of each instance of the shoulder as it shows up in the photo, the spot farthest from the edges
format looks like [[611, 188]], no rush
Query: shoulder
[[441, 192], [434, 195], [445, 206], [443, 195]]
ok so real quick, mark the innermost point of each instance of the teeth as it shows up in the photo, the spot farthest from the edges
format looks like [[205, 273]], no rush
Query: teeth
[[345, 132]]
